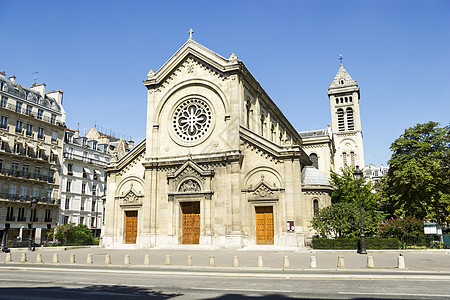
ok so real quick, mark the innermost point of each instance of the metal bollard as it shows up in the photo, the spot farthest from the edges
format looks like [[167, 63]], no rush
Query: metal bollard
[[370, 263], [260, 262], [55, 258], [168, 263], [89, 259], [312, 262], [23, 259], [39, 258], [8, 257], [72, 258], [286, 263], [189, 260], [235, 261], [212, 261], [147, 260], [126, 261], [341, 263], [107, 259], [401, 262]]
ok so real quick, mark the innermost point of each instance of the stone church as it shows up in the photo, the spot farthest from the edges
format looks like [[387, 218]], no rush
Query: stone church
[[221, 165]]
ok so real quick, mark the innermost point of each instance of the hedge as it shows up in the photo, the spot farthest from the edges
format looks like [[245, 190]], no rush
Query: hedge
[[353, 243]]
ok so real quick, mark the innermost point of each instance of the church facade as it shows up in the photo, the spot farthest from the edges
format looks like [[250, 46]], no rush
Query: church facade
[[220, 166]]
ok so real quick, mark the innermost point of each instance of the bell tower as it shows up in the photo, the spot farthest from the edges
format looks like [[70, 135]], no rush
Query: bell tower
[[343, 93]]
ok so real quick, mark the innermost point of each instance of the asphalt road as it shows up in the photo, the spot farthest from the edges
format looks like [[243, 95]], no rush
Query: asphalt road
[[78, 284]]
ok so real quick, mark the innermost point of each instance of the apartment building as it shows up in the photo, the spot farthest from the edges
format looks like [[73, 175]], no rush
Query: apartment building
[[31, 132]]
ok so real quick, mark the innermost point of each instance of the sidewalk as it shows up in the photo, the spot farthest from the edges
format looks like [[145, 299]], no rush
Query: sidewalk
[[415, 260]]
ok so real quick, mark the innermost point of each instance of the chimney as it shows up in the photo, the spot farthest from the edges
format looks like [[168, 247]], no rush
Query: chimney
[[2, 74], [12, 78], [39, 88], [56, 95]]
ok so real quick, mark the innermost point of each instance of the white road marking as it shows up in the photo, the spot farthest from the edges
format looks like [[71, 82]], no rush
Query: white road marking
[[394, 294], [242, 290]]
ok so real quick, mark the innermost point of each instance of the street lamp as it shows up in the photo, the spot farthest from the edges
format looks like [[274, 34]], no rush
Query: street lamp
[[358, 174], [33, 203]]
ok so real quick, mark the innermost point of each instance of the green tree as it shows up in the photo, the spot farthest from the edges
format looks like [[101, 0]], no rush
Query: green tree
[[346, 190], [417, 183], [69, 234]]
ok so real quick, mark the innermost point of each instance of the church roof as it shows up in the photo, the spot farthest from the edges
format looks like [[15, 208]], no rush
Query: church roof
[[343, 82], [313, 133], [312, 176]]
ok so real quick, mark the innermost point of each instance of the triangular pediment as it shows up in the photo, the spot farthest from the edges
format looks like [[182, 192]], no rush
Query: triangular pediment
[[196, 51], [190, 167]]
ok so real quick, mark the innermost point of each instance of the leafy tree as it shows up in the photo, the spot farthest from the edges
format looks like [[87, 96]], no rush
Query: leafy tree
[[69, 234], [418, 181], [346, 190]]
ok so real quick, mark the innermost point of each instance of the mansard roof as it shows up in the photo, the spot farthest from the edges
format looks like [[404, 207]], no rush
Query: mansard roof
[[343, 82]]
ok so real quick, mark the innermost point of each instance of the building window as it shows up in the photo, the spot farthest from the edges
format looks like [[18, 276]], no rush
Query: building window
[[48, 215], [51, 176], [37, 172], [40, 133], [25, 170], [262, 124], [85, 173], [85, 156], [21, 215], [247, 111], [340, 115], [93, 222], [29, 109], [69, 169], [10, 214], [54, 136], [68, 185], [35, 192], [18, 107], [350, 123], [49, 194], [83, 188], [93, 206], [19, 126], [344, 158], [53, 119], [14, 166], [4, 101], [40, 113], [83, 202], [315, 160], [316, 207], [29, 129], [67, 205], [96, 175], [82, 220], [4, 122], [66, 220], [352, 158], [94, 189]]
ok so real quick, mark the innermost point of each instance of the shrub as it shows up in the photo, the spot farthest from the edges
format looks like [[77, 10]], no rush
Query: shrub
[[71, 235], [372, 243]]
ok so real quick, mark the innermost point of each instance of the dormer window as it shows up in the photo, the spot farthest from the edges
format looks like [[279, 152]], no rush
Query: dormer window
[[341, 81]]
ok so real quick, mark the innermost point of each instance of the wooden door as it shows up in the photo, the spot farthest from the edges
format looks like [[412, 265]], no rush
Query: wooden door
[[264, 225], [191, 222], [131, 221]]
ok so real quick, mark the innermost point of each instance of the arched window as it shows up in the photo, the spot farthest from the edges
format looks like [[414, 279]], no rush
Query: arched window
[[247, 107], [350, 123], [315, 160], [337, 100], [344, 158], [316, 207], [340, 115], [262, 124], [352, 158], [273, 134], [342, 81]]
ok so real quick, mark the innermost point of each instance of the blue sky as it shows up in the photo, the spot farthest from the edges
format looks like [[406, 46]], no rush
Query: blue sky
[[99, 52]]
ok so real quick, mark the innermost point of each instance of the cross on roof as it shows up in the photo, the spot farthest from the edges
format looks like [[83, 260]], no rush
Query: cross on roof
[[340, 58], [190, 34]]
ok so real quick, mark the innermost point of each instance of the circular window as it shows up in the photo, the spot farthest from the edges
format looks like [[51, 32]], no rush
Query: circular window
[[192, 119]]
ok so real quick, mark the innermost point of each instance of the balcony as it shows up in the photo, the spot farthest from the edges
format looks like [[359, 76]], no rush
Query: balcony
[[27, 153], [26, 175], [25, 111], [84, 159], [23, 198], [10, 218]]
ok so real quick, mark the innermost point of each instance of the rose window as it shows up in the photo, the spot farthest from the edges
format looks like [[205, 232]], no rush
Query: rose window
[[192, 119]]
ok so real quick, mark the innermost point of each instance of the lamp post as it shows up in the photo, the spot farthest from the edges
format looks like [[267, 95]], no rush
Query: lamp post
[[358, 174], [33, 203]]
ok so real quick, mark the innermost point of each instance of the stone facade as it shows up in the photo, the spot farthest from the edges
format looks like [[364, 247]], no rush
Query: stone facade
[[220, 166], [31, 134]]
